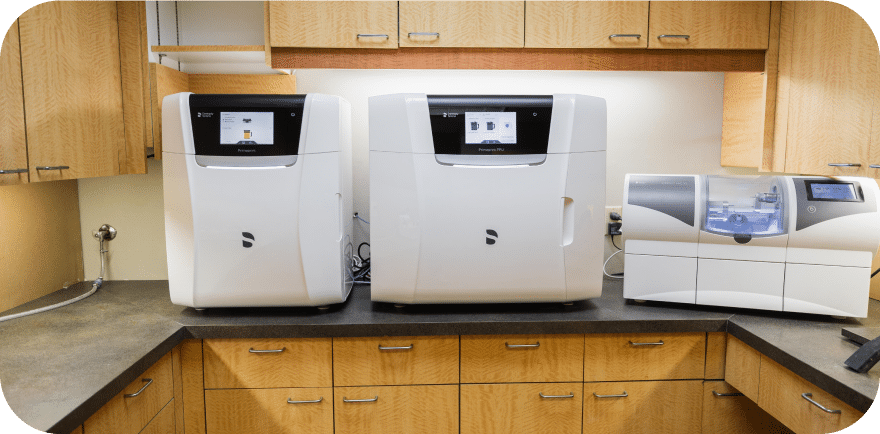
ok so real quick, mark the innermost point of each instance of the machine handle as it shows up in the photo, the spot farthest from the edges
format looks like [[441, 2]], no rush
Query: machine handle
[[5, 172], [149, 381], [874, 166], [570, 395], [624, 35], [52, 167], [639, 344], [724, 395], [809, 396], [375, 398], [534, 345], [370, 35], [844, 164], [265, 351], [305, 402], [624, 395], [381, 348], [675, 36], [411, 34]]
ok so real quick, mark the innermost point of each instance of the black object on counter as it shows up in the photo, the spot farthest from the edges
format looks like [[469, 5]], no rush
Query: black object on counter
[[865, 357]]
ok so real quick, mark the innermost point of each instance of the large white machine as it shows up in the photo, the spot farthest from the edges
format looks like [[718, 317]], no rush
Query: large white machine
[[485, 199], [785, 243], [257, 199]]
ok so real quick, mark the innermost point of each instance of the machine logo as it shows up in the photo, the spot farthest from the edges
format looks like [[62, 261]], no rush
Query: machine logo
[[247, 244], [492, 236]]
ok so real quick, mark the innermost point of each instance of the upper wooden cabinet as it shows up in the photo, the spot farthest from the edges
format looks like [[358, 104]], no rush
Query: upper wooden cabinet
[[461, 24], [334, 24], [586, 24], [13, 151], [709, 25]]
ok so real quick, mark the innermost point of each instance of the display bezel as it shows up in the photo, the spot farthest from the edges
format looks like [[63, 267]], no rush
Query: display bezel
[[857, 189]]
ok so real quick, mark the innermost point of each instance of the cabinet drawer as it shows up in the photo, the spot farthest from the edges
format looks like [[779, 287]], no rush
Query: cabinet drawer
[[387, 361], [726, 413], [396, 409], [644, 356], [333, 24], [462, 24], [522, 358], [153, 391], [267, 363], [710, 25], [781, 395], [269, 411], [520, 408], [163, 423], [586, 24], [743, 367], [654, 407]]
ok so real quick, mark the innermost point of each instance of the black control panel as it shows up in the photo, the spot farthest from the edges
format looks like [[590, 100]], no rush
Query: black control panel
[[823, 199], [246, 125]]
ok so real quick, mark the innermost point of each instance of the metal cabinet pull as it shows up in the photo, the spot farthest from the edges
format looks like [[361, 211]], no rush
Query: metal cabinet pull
[[570, 395], [369, 35], [874, 166], [265, 351], [375, 398], [305, 402], [381, 348], [4, 172], [638, 344], [724, 395], [52, 167], [809, 396], [411, 34], [149, 381], [675, 36], [534, 345], [624, 395], [624, 35], [844, 164]]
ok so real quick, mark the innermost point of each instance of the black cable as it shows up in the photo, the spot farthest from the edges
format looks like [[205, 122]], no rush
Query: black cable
[[359, 251], [618, 248], [875, 272]]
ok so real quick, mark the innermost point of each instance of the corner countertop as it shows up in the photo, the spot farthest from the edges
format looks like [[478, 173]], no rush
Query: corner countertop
[[58, 368]]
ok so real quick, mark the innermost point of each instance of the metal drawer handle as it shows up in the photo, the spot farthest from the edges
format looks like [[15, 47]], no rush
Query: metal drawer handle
[[624, 395], [4, 172], [52, 167], [381, 348], [411, 34], [809, 396], [675, 36], [844, 164], [375, 398], [624, 35], [570, 395], [305, 402], [369, 35], [534, 345], [875, 166], [638, 344], [149, 381], [265, 351], [723, 395]]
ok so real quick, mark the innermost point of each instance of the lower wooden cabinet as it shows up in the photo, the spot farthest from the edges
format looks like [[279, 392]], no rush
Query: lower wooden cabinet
[[396, 409], [653, 407], [521, 408], [163, 423], [269, 411], [727, 411]]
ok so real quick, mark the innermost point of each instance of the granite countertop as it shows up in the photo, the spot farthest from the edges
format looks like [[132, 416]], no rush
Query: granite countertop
[[57, 368]]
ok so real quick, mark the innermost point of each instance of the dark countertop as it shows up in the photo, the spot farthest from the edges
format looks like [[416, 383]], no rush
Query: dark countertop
[[57, 368]]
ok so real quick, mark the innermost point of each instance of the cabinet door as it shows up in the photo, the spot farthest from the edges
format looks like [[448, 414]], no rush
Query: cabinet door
[[726, 411], [522, 358], [832, 60], [268, 363], [13, 151], [521, 409], [586, 24], [392, 361], [72, 89], [163, 423], [874, 157], [461, 24], [269, 411], [396, 409], [709, 25], [333, 24], [649, 407]]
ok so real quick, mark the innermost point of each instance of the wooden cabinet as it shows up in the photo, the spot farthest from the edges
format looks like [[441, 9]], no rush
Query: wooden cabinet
[[395, 361], [396, 409], [269, 411], [461, 24], [586, 24], [644, 356], [726, 411], [333, 24], [643, 407], [13, 152], [522, 358], [521, 408], [267, 363], [163, 423], [709, 25], [743, 367]]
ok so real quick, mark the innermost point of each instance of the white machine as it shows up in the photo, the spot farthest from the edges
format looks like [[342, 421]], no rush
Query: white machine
[[486, 199], [785, 243], [258, 199]]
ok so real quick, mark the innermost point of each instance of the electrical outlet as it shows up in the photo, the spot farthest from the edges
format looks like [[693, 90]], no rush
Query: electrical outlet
[[611, 209]]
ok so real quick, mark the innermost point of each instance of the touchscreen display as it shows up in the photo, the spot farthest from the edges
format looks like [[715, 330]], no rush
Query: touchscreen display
[[837, 191], [247, 128], [490, 128]]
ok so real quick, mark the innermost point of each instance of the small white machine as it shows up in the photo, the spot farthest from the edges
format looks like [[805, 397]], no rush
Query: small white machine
[[785, 243], [486, 199], [257, 199]]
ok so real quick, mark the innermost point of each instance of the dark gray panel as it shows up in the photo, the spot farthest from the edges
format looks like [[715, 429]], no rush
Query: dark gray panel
[[811, 212], [671, 195]]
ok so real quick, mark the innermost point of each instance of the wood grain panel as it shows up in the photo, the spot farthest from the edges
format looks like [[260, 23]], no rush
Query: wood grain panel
[[360, 362], [13, 153], [242, 83], [612, 357], [133, 63], [742, 124], [200, 48], [78, 430], [712, 25], [487, 359], [519, 409], [140, 410], [735, 414], [532, 59], [586, 24], [109, 419], [874, 292], [164, 81], [399, 409], [72, 93], [772, 159], [267, 42], [177, 373], [303, 363], [192, 372], [333, 24], [716, 355], [833, 59], [163, 423], [743, 367], [266, 411], [462, 24], [780, 396], [650, 407]]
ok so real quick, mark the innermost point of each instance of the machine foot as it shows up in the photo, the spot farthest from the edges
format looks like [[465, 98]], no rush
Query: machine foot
[[200, 309], [400, 306], [323, 307], [638, 301], [570, 303], [839, 317]]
